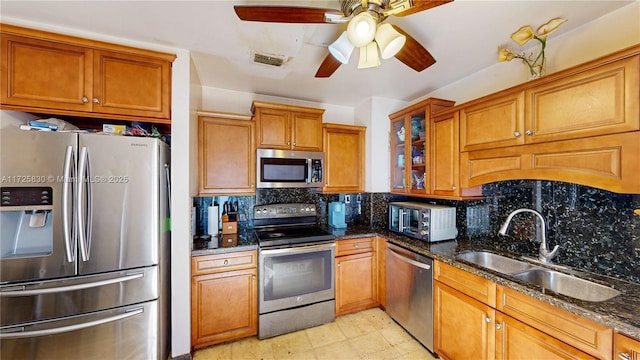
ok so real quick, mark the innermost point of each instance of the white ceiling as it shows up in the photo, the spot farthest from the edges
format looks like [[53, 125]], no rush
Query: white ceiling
[[462, 35]]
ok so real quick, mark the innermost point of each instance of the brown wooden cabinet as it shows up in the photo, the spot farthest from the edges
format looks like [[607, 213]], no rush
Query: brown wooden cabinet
[[344, 149], [463, 325], [356, 275], [608, 162], [224, 297], [581, 333], [410, 147], [578, 125], [626, 348], [226, 154], [57, 74], [597, 98], [287, 127], [476, 318], [517, 340]]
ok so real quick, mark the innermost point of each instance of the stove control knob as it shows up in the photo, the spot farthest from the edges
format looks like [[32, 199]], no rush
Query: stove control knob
[[313, 209]]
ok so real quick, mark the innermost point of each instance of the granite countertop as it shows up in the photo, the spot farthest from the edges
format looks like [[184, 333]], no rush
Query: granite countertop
[[621, 312]]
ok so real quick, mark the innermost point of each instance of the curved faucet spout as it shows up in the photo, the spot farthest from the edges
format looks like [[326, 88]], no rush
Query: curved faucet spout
[[545, 255]]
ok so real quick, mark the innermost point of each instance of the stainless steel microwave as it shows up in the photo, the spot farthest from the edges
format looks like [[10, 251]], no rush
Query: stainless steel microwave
[[422, 221], [289, 168]]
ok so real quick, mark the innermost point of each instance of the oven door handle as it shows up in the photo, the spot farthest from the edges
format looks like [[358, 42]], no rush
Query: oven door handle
[[298, 249]]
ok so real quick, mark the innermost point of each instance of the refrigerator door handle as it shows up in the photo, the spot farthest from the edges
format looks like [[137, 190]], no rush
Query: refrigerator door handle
[[57, 330], [168, 176], [68, 226], [21, 291], [84, 212]]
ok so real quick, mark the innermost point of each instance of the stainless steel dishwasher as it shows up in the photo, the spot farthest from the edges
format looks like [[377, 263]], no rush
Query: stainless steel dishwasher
[[410, 292]]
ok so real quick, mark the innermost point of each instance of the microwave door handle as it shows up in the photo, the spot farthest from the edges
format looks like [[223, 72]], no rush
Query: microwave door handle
[[400, 220], [309, 169]]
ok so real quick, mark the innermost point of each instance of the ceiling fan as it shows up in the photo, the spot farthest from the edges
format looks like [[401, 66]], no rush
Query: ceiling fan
[[366, 30]]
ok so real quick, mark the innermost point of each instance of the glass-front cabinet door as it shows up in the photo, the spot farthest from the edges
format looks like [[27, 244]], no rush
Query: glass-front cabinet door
[[398, 154], [410, 147], [409, 153]]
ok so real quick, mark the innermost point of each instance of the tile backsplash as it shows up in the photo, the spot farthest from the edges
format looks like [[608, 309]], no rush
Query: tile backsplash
[[597, 230]]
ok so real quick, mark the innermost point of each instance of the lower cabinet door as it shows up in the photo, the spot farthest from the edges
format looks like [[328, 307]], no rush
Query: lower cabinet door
[[356, 284], [516, 340], [224, 306], [464, 327]]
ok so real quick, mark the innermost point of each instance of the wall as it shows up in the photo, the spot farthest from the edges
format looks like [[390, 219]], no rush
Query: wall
[[614, 31], [222, 100]]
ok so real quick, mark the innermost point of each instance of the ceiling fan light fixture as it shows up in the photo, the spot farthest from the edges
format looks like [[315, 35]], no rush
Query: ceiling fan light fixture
[[369, 56], [362, 29], [389, 40], [342, 48]]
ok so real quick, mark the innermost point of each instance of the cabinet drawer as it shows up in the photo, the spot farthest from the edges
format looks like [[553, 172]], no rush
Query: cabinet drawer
[[628, 346], [472, 285], [209, 264], [583, 334], [354, 246]]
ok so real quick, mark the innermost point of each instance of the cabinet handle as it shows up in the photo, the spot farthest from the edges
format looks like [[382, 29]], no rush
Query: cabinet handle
[[453, 188], [516, 134], [252, 185], [498, 326], [528, 132], [340, 265], [356, 246], [294, 144], [288, 142], [84, 100], [624, 356], [487, 319], [226, 262], [253, 277], [96, 101]]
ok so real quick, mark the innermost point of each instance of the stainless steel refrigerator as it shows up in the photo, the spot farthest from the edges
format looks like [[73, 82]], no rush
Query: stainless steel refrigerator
[[84, 248]]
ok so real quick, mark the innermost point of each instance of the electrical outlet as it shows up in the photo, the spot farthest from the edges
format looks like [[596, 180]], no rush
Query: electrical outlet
[[358, 199], [347, 199]]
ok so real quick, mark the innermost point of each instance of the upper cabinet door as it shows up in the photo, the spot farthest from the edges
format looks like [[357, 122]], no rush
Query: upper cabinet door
[[599, 101], [45, 74], [287, 127], [306, 131], [494, 122], [132, 85], [273, 128], [226, 154]]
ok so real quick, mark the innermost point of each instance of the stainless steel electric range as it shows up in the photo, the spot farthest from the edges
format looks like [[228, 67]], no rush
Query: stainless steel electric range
[[295, 269]]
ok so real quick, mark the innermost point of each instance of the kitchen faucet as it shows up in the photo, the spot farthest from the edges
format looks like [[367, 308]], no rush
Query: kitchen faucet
[[545, 255]]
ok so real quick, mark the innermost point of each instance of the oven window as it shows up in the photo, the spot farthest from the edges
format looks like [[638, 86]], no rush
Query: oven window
[[283, 170], [414, 220], [297, 274]]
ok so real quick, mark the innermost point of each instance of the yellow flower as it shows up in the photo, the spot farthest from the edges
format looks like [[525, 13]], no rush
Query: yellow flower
[[523, 35], [550, 26], [504, 55]]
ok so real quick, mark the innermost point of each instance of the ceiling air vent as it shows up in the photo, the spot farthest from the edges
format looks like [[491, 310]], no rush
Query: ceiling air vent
[[272, 60]]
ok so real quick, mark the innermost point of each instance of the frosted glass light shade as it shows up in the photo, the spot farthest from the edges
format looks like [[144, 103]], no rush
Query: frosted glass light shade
[[389, 40], [369, 56], [342, 48], [361, 29]]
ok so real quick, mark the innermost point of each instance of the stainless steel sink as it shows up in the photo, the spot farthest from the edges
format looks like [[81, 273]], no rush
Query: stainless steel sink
[[567, 285], [561, 283], [495, 262]]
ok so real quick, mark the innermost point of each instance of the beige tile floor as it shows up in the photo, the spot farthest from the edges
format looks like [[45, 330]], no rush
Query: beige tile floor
[[369, 334]]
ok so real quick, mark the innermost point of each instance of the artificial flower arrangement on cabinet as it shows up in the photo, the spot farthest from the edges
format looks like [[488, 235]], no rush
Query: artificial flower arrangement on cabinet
[[522, 36]]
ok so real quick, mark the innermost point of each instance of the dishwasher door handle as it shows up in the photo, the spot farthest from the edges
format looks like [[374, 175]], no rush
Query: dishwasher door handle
[[410, 261]]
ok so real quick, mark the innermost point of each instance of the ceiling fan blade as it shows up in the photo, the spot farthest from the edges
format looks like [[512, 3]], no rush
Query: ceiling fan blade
[[285, 14], [421, 5], [413, 54], [328, 67]]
